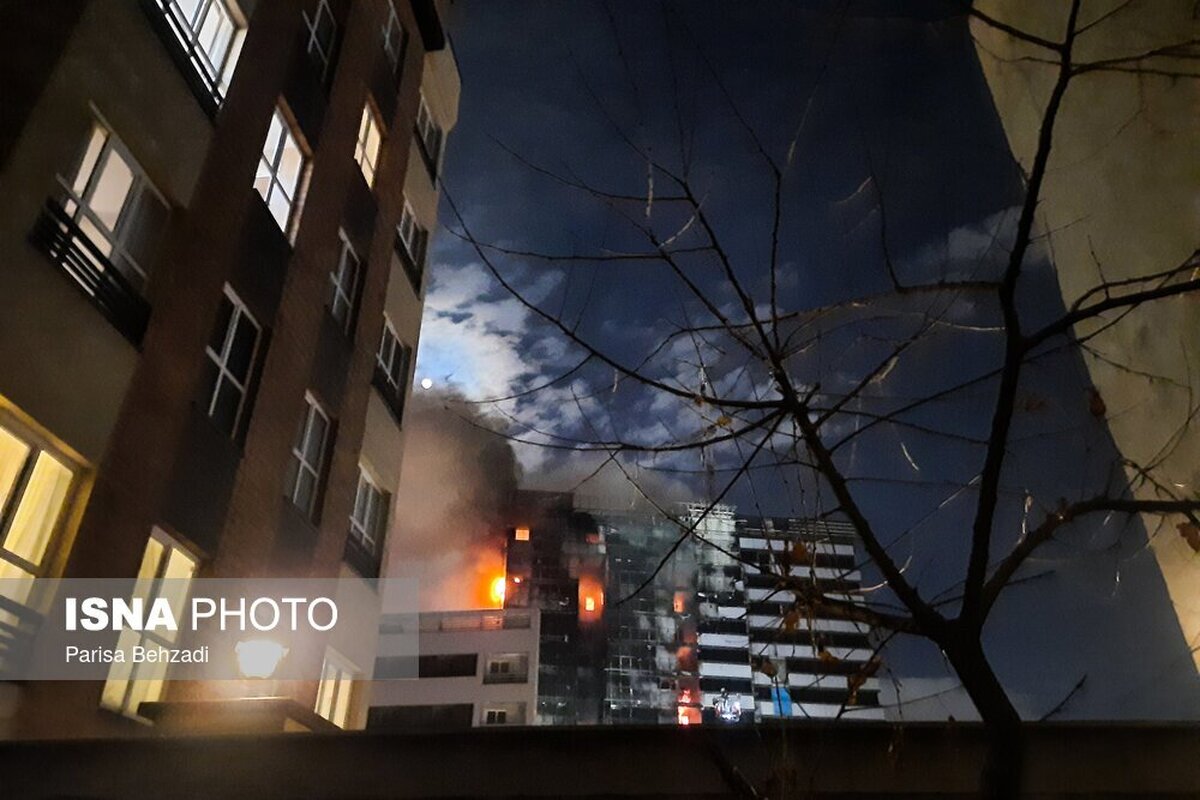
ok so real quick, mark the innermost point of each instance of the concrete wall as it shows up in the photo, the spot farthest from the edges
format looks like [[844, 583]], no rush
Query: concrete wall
[[456, 690], [61, 362], [1121, 199]]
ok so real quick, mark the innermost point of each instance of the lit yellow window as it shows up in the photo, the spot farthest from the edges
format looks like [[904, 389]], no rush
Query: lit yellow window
[[166, 571], [35, 487], [337, 685], [522, 535], [370, 138]]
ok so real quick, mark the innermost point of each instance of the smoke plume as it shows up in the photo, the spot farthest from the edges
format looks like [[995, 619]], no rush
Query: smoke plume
[[456, 481]]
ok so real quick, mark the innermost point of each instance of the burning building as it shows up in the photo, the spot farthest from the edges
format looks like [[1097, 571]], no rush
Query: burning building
[[710, 634]]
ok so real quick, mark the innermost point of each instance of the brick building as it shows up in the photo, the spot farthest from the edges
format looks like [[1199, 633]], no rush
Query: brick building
[[214, 217]]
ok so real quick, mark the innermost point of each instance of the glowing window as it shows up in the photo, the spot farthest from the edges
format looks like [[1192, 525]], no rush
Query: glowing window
[[522, 535], [282, 168], [344, 278], [115, 206], [211, 33], [35, 488], [680, 604], [166, 571], [589, 603], [370, 139], [336, 688]]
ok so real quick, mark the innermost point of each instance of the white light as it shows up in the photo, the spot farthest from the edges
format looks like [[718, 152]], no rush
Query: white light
[[258, 658], [426, 383]]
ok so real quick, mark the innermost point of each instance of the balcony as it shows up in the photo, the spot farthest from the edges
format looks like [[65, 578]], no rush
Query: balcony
[[18, 627], [392, 395], [192, 61], [69, 248]]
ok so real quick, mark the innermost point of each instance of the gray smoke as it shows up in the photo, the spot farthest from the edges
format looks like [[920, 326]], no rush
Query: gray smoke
[[456, 480]]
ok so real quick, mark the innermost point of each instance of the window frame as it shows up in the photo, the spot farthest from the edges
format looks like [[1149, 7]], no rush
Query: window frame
[[495, 716], [299, 461], [218, 76], [393, 23], [400, 358], [220, 361], [414, 242], [347, 295], [36, 446], [148, 587], [78, 200], [427, 128], [289, 130], [313, 42], [344, 677], [368, 161], [369, 532]]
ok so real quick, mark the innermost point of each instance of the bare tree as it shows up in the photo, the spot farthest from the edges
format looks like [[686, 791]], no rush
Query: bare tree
[[776, 388]]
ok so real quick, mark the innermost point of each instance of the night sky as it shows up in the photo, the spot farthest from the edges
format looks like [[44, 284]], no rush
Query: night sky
[[874, 108]]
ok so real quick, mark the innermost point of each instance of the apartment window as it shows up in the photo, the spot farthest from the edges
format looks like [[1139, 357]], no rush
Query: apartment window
[[506, 668], [115, 205], [395, 38], [167, 571], [344, 278], [495, 716], [281, 171], [430, 136], [521, 534], [35, 490], [412, 239], [322, 36], [231, 356], [336, 688], [211, 33], [456, 665], [369, 518], [393, 357], [370, 139], [308, 456]]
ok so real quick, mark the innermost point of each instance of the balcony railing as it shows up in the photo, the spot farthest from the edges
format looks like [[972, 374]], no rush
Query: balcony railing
[[392, 395], [507, 677], [69, 248], [18, 627], [191, 60]]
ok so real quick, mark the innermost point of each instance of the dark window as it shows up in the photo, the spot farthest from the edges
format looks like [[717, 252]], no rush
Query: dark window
[[427, 718], [458, 665], [231, 352]]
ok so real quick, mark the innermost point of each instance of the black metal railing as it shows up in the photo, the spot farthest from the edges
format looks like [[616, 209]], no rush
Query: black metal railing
[[190, 59], [18, 627], [392, 394], [58, 236], [507, 677]]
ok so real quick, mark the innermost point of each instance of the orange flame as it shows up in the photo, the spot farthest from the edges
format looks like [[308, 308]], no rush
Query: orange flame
[[496, 590]]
